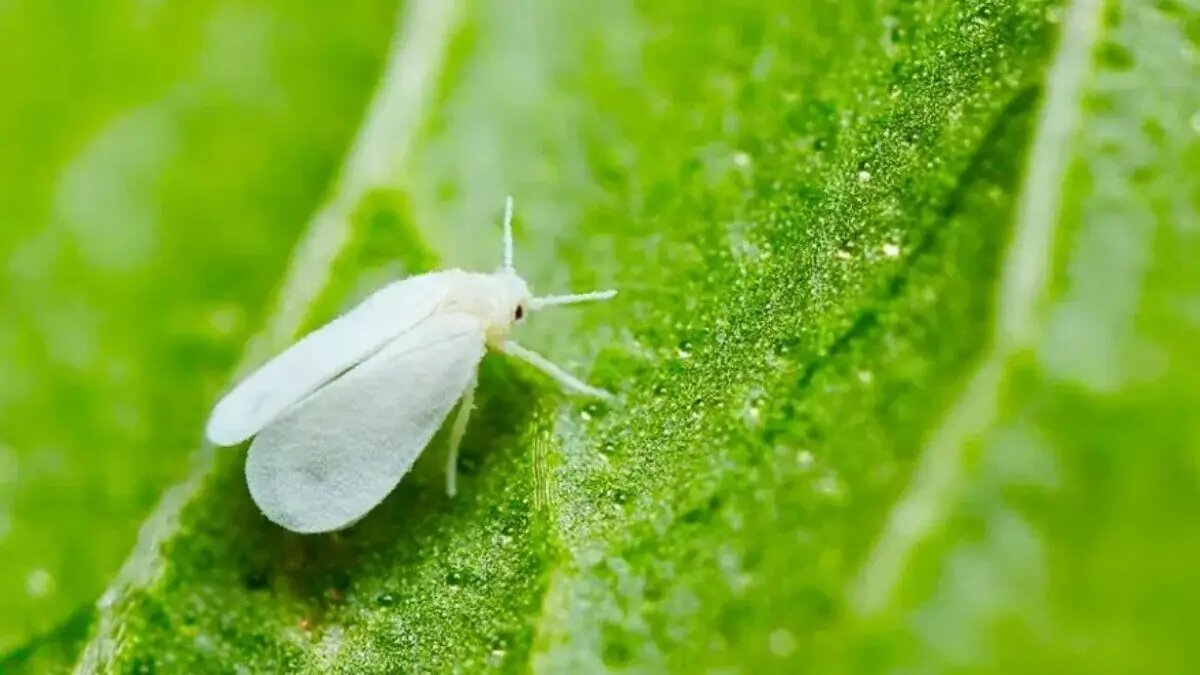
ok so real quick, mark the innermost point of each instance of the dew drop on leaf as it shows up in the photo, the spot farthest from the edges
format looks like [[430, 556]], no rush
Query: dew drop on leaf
[[805, 460], [684, 350], [830, 487], [39, 583], [781, 642]]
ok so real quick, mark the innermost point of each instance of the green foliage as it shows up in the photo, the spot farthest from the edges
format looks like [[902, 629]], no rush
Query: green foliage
[[904, 352]]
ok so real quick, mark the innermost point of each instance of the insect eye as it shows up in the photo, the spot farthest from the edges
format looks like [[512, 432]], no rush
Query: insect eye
[[520, 313]]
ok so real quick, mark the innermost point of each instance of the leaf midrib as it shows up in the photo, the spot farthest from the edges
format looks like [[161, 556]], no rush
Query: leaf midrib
[[416, 58]]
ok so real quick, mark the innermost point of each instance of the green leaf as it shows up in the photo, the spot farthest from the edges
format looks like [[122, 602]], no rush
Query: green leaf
[[904, 353]]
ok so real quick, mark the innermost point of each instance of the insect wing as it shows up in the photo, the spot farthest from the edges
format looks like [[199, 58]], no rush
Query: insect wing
[[333, 457], [322, 355]]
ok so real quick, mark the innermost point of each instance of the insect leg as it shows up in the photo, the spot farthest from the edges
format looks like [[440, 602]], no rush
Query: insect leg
[[562, 377], [456, 435]]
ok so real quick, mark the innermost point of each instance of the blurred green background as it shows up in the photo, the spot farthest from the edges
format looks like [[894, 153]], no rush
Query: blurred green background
[[905, 352], [159, 162]]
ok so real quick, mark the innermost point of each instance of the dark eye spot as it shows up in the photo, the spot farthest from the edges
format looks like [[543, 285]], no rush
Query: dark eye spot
[[520, 313]]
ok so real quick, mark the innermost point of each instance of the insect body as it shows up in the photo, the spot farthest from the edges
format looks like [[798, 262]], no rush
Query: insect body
[[341, 416]]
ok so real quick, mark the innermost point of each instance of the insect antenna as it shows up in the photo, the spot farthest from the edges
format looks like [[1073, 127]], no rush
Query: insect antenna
[[508, 235], [549, 300]]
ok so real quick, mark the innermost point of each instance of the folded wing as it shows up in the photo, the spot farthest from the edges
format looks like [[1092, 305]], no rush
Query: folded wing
[[323, 355], [334, 456]]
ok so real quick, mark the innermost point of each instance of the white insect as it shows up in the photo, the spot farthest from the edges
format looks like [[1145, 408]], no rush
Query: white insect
[[341, 415]]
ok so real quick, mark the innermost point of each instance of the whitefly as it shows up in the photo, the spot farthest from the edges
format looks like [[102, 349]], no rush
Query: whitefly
[[341, 416]]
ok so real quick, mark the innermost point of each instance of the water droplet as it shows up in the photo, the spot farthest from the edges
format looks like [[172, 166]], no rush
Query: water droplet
[[203, 643], [39, 583], [830, 486], [595, 408], [752, 415], [386, 599], [890, 38], [752, 408], [734, 570], [225, 321], [781, 642], [805, 460], [684, 351]]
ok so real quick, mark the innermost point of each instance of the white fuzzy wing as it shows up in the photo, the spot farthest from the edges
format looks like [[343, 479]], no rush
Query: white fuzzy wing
[[333, 457], [323, 355]]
